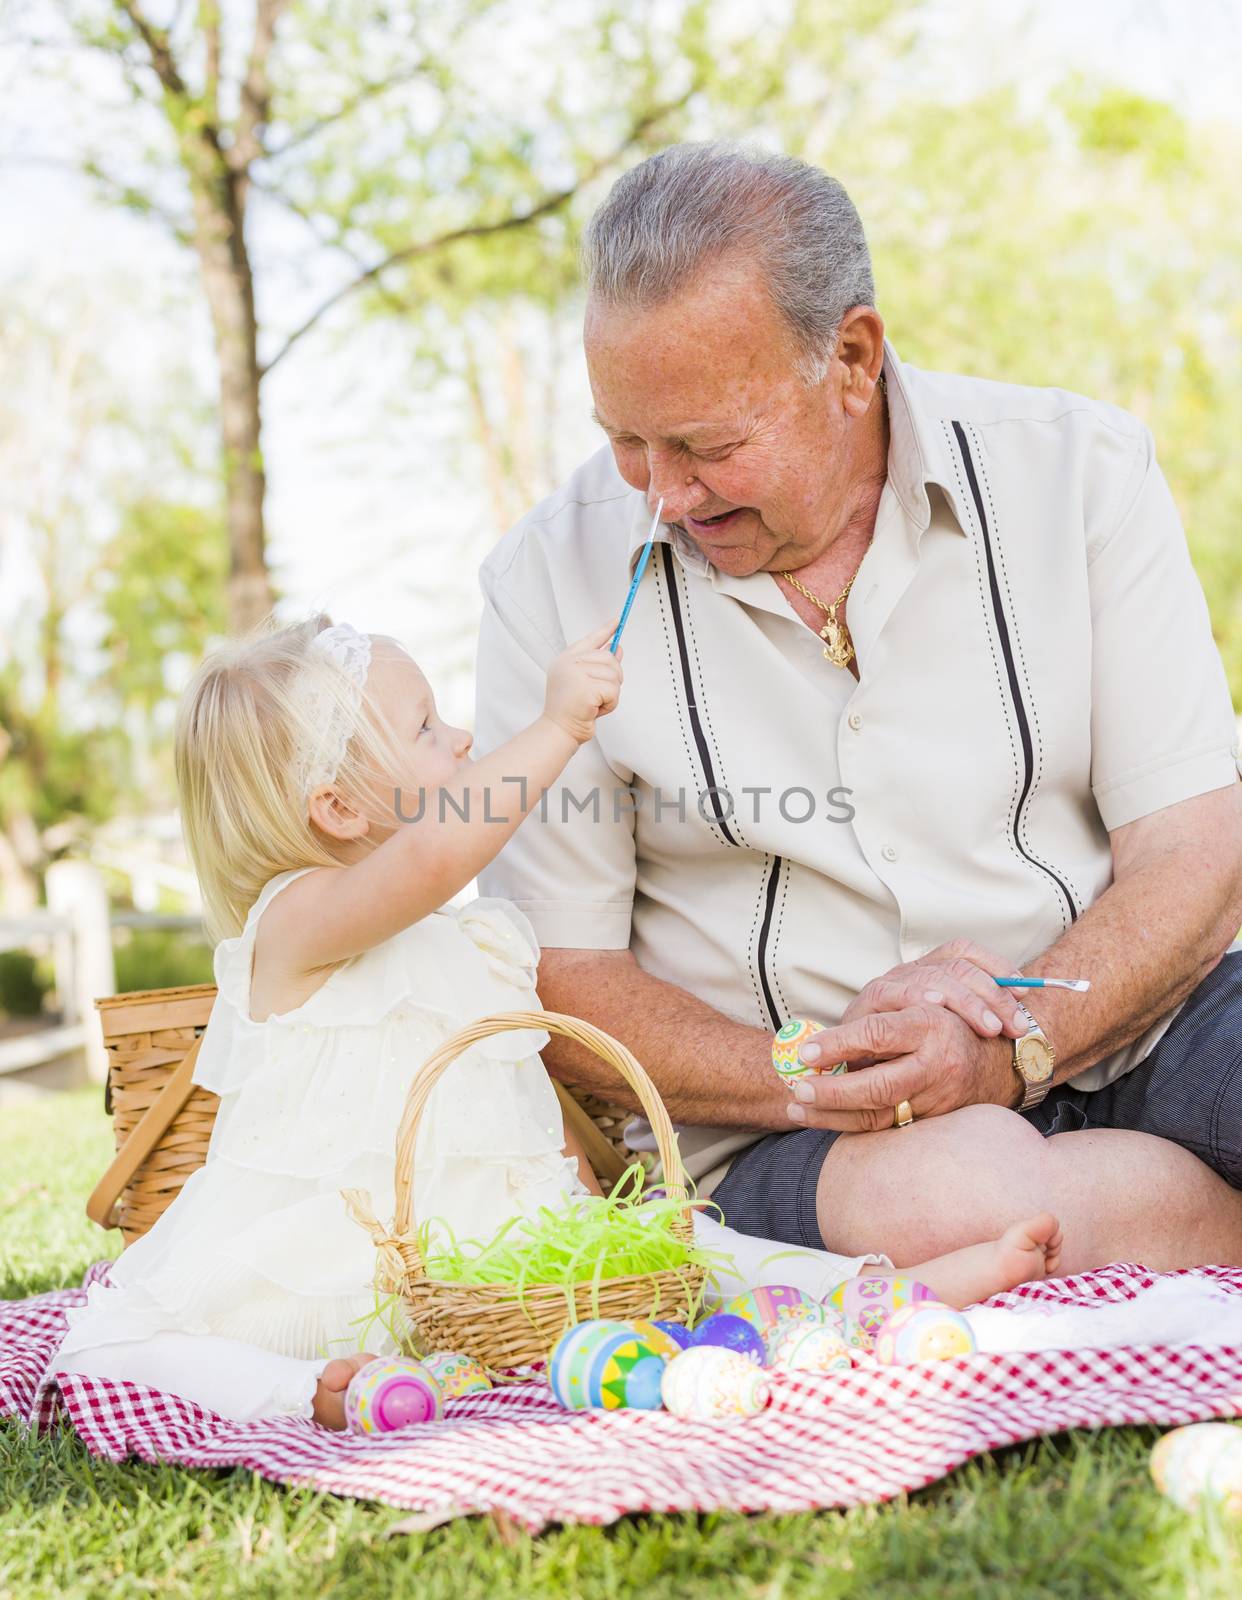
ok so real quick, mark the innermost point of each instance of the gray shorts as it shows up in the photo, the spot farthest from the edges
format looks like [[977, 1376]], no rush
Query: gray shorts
[[1188, 1090]]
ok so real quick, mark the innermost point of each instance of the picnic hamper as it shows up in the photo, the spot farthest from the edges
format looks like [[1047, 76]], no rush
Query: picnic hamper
[[163, 1124]]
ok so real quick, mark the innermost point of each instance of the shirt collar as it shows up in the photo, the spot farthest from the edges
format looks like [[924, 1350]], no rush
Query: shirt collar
[[914, 461], [907, 467]]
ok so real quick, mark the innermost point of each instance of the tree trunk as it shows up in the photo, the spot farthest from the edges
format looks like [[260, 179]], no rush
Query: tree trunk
[[219, 238]]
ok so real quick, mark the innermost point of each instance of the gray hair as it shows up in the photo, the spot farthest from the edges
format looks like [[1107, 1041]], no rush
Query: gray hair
[[692, 203]]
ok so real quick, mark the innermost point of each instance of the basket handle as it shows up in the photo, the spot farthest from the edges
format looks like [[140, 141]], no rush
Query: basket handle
[[405, 1228], [143, 1138]]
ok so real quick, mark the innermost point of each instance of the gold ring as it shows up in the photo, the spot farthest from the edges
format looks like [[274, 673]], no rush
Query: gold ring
[[902, 1115]]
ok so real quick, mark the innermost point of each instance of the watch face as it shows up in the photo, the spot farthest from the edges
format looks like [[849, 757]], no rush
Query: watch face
[[1035, 1059]]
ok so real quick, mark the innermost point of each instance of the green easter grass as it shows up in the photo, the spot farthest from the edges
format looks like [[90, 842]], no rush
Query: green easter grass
[[1073, 1517]]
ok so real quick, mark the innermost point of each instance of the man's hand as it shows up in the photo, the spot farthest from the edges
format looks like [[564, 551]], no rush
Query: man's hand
[[958, 976], [924, 1054]]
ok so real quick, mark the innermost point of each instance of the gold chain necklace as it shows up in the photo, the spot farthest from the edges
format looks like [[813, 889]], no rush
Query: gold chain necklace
[[838, 646]]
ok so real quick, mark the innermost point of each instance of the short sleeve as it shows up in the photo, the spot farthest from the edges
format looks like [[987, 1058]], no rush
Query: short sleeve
[[570, 867], [1162, 724]]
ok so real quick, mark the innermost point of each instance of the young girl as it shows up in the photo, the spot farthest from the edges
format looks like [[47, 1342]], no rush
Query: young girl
[[331, 816]]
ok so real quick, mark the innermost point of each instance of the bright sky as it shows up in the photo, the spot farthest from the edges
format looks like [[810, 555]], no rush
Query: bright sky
[[369, 508]]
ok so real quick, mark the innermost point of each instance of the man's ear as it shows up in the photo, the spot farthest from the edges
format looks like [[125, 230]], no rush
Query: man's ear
[[335, 816], [860, 357]]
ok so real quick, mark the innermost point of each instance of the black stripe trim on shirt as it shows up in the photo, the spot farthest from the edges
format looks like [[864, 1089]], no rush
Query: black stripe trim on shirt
[[1002, 629], [696, 726], [761, 949]]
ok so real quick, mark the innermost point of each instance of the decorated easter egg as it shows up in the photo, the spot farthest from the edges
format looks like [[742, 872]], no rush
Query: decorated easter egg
[[819, 1316], [927, 1331], [658, 1336], [568, 1358], [788, 1042], [605, 1366], [771, 1305], [869, 1301], [456, 1374], [708, 1383], [1201, 1465], [391, 1392], [677, 1332], [730, 1333], [801, 1346]]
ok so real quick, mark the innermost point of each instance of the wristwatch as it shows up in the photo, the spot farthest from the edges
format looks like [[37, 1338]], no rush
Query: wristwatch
[[1034, 1060]]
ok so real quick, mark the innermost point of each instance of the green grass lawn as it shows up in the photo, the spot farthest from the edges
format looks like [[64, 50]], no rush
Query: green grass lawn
[[1074, 1516]]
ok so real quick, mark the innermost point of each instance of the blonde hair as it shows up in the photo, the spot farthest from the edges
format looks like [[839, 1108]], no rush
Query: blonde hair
[[245, 721]]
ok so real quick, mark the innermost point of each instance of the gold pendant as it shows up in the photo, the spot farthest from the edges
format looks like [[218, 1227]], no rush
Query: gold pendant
[[838, 646]]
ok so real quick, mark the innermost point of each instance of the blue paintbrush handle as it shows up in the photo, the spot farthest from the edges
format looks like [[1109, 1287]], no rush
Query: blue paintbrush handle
[[637, 578], [1079, 985]]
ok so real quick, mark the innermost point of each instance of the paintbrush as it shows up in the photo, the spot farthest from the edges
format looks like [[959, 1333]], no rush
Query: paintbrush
[[1078, 985], [637, 578]]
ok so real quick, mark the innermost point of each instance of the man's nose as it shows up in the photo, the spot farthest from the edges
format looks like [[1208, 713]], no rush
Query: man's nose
[[680, 492]]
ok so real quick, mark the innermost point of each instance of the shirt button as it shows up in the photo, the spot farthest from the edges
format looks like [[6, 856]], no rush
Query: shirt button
[[889, 853], [855, 721]]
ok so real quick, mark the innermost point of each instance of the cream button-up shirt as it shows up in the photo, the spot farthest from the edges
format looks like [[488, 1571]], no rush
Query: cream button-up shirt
[[1036, 668]]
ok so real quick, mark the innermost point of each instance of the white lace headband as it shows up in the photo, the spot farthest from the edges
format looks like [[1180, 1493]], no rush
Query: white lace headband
[[333, 721]]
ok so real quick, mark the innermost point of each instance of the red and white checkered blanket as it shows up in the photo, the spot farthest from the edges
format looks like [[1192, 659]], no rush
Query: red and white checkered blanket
[[833, 1441]]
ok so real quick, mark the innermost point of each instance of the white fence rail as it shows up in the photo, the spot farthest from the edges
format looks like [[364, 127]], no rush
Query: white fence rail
[[76, 930]]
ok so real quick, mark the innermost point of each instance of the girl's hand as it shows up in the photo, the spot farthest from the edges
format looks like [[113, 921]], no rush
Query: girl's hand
[[584, 683]]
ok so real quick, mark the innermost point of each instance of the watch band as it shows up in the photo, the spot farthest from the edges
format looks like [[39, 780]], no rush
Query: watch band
[[1032, 1093]]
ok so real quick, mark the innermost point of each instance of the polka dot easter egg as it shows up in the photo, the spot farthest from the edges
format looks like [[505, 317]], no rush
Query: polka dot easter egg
[[605, 1366], [391, 1393], [801, 1346], [457, 1374], [1201, 1465], [928, 1331], [775, 1303], [710, 1384], [660, 1337], [730, 1333], [867, 1302]]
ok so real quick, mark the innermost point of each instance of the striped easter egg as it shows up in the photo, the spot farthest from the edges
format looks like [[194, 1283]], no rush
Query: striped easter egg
[[605, 1367]]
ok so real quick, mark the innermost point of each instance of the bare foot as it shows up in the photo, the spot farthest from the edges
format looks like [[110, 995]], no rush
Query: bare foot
[[1027, 1251], [333, 1382]]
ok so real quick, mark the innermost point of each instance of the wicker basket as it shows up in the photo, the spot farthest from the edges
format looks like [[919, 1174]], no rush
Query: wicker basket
[[163, 1121], [495, 1323]]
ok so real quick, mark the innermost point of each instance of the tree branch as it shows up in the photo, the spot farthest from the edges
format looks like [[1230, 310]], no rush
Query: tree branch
[[368, 91], [477, 230], [117, 190], [256, 91], [159, 47]]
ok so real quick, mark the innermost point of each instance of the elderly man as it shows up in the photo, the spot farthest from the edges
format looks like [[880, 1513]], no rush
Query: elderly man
[[920, 691]]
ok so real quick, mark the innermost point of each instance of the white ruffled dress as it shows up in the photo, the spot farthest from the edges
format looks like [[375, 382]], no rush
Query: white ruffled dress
[[258, 1246]]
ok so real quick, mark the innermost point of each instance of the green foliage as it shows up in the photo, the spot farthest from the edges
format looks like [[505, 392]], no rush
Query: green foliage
[[152, 958], [23, 984], [51, 771], [162, 577], [1115, 122]]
